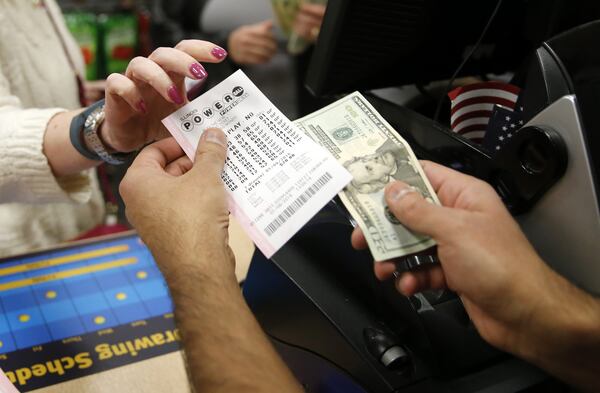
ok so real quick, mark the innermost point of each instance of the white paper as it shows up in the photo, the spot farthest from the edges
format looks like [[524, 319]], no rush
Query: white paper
[[276, 177]]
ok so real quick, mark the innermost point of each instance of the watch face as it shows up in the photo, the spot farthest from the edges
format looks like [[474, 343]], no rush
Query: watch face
[[90, 134], [92, 118], [95, 149]]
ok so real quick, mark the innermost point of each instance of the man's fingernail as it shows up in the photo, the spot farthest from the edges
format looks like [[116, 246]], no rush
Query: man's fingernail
[[174, 95], [219, 52], [215, 136], [402, 284], [198, 71], [397, 191]]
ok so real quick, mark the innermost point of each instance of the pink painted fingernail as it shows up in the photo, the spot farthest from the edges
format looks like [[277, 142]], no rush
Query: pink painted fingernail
[[198, 71], [219, 52], [174, 95], [141, 106]]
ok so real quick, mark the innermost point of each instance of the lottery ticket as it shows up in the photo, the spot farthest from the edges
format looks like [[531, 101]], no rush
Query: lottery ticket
[[5, 385], [276, 177]]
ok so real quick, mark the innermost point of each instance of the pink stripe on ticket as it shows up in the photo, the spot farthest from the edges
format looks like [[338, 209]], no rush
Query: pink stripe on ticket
[[5, 385]]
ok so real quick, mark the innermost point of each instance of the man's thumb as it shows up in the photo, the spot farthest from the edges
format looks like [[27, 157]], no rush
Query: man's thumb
[[211, 152], [416, 213]]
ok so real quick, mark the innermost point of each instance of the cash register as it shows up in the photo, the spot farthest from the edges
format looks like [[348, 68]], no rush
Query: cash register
[[336, 326]]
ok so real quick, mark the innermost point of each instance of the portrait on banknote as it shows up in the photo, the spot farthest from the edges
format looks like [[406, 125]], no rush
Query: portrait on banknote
[[372, 172]]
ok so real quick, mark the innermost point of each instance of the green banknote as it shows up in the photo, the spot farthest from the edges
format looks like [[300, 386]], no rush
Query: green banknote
[[375, 154], [286, 11]]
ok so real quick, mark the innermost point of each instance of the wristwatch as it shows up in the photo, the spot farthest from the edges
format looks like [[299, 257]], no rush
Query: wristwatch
[[84, 133]]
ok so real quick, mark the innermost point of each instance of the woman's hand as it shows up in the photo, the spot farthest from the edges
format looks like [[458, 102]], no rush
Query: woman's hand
[[151, 89]]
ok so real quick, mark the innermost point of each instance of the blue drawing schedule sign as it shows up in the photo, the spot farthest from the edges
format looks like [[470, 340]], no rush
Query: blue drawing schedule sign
[[82, 309]]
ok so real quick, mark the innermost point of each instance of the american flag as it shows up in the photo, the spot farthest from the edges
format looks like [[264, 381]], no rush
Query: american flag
[[504, 124], [472, 106]]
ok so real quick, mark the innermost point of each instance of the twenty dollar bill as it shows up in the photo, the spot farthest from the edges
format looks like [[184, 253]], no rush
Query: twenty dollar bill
[[373, 152]]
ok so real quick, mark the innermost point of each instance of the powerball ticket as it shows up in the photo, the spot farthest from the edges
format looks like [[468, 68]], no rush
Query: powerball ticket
[[276, 177]]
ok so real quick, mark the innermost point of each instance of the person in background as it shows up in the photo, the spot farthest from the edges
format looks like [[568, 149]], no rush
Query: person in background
[[309, 20], [175, 20], [48, 192], [308, 26], [251, 46], [514, 299]]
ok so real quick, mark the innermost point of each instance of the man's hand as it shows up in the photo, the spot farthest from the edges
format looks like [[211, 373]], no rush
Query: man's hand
[[179, 209], [514, 299], [476, 238], [252, 44], [309, 20], [151, 89], [181, 213]]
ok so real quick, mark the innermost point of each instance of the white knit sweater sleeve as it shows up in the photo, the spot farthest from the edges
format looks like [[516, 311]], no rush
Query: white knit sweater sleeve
[[25, 175]]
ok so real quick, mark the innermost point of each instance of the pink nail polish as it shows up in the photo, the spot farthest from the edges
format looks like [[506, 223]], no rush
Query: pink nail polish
[[141, 106], [198, 71], [174, 95], [219, 52]]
